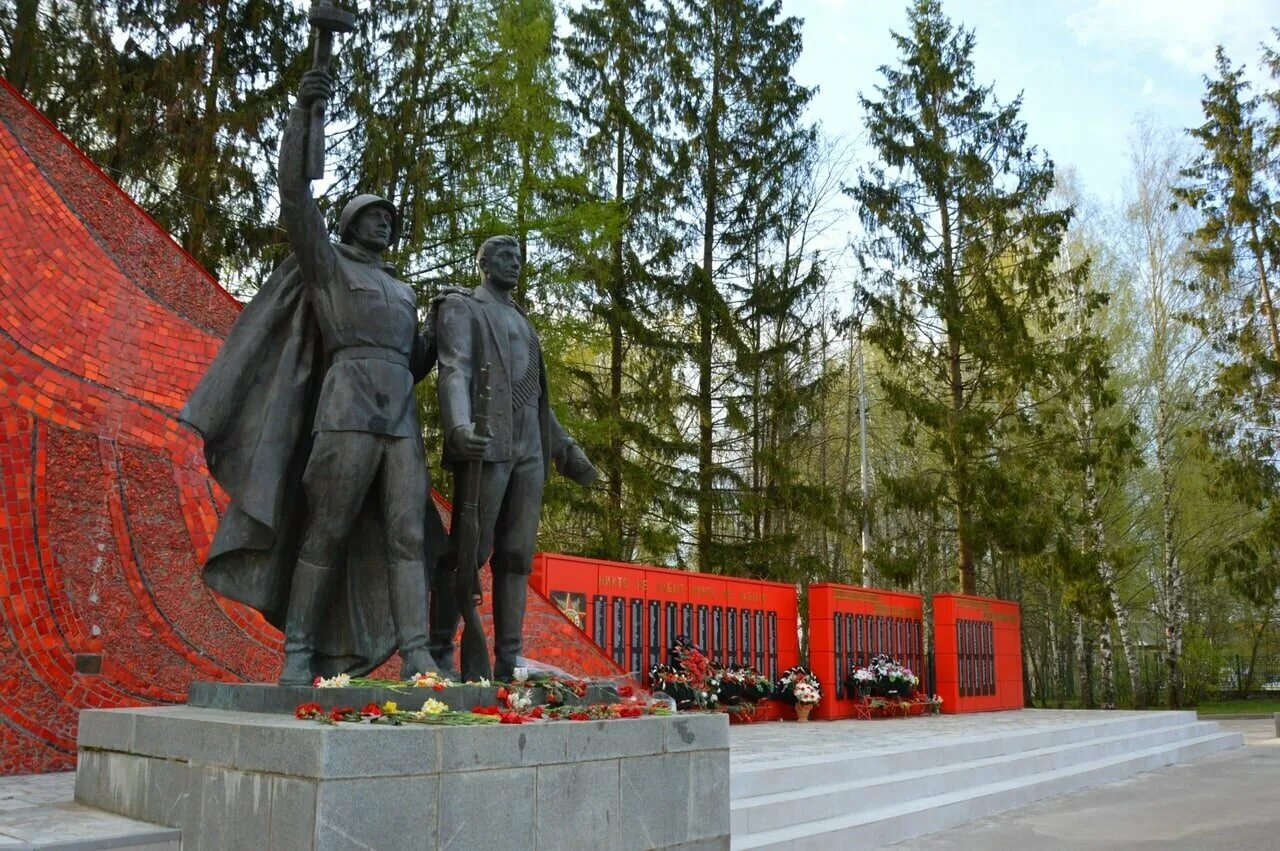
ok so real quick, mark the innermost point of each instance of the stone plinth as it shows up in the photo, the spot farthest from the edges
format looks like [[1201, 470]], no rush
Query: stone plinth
[[251, 780], [282, 700]]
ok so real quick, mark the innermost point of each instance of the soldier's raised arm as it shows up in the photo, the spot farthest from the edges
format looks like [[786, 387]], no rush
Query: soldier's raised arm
[[303, 221]]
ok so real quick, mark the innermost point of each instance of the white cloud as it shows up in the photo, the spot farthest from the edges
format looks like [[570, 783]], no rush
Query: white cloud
[[1183, 32]]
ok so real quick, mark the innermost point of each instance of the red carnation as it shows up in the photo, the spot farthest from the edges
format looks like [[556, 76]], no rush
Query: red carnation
[[438, 687], [626, 691], [510, 718], [372, 711], [579, 716], [536, 712], [308, 710], [502, 693]]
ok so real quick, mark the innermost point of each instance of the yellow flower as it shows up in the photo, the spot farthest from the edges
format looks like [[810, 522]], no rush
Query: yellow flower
[[434, 707], [390, 708]]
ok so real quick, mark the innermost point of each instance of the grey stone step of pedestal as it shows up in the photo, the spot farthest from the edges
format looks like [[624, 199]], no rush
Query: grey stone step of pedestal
[[283, 700], [792, 774], [829, 800], [926, 815], [75, 827]]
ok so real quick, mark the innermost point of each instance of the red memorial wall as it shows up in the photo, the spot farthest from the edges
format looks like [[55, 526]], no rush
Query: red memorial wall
[[106, 509], [977, 653], [848, 625], [634, 612]]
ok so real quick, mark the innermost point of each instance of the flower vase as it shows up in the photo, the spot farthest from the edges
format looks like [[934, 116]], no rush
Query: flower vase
[[803, 710]]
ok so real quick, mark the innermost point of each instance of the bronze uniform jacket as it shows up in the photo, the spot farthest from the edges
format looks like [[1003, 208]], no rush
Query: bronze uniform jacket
[[467, 335]]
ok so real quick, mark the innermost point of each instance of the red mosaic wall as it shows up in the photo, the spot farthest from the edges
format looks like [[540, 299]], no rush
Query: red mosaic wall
[[977, 653], [634, 612], [106, 509], [848, 626]]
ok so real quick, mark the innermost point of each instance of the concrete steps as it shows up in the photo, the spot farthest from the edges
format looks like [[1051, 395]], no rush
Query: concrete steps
[[861, 799], [71, 826]]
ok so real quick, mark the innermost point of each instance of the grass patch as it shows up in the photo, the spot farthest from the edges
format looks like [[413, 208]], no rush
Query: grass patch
[[1240, 707]]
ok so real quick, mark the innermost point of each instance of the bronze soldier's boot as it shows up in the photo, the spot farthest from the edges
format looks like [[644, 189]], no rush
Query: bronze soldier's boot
[[509, 593], [312, 584], [409, 610]]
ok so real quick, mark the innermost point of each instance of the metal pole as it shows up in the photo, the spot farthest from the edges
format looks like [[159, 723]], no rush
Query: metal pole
[[866, 464]]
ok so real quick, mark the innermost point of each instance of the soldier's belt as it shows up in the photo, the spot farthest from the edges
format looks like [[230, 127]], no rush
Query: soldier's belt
[[370, 353]]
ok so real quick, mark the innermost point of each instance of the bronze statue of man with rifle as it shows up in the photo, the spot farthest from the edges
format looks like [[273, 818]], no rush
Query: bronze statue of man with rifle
[[311, 427], [490, 364]]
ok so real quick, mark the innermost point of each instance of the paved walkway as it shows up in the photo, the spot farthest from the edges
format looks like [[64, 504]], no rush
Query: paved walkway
[[1229, 801], [36, 790]]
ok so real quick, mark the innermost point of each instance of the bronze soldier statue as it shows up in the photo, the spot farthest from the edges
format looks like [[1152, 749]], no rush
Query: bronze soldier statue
[[485, 326], [311, 426]]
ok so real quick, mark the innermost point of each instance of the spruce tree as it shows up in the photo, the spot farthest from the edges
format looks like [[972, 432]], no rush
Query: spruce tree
[[522, 132], [739, 109], [621, 104], [1232, 186], [961, 251], [405, 127], [773, 400]]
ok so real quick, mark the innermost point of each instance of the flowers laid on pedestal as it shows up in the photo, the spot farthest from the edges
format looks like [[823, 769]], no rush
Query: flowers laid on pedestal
[[883, 677], [515, 702]]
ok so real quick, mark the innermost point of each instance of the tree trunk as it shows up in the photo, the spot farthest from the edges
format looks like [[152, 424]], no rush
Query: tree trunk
[[1028, 691], [1108, 666], [848, 448], [1247, 685], [613, 525], [1084, 647], [864, 473], [24, 47], [1106, 569], [706, 347], [1268, 311], [197, 180], [759, 521], [1172, 571], [522, 224], [955, 380]]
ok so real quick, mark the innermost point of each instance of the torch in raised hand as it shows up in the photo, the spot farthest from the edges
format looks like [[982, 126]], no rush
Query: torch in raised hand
[[326, 19]]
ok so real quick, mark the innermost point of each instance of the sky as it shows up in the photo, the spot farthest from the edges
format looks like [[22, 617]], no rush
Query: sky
[[1087, 69]]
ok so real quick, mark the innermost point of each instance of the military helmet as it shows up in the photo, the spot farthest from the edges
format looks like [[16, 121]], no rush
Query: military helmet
[[358, 205]]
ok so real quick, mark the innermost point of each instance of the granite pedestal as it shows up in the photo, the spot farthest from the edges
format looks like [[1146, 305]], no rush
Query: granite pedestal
[[253, 780], [282, 700]]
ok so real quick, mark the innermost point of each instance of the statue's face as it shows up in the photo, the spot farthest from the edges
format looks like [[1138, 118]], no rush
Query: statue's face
[[503, 266], [373, 228]]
